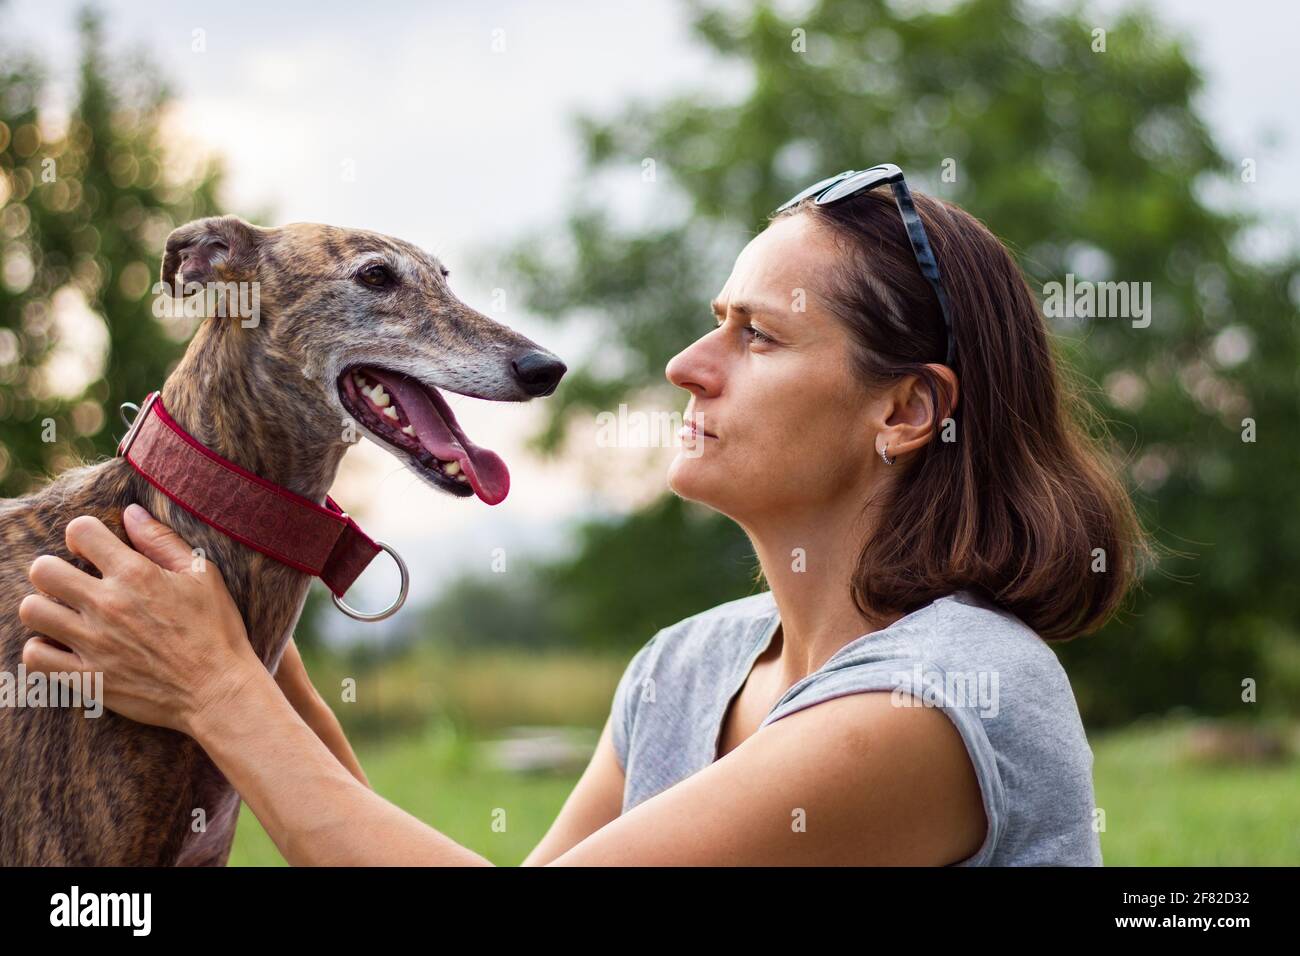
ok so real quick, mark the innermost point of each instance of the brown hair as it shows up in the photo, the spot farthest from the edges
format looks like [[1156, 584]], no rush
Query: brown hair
[[1014, 507]]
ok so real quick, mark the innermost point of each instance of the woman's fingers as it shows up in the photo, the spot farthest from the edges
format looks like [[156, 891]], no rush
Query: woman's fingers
[[157, 542], [42, 656], [46, 616], [89, 538], [60, 579]]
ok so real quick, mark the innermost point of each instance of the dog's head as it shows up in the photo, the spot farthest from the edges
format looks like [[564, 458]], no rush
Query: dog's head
[[372, 325]]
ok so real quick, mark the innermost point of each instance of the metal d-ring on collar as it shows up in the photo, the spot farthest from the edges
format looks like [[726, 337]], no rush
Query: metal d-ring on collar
[[121, 410], [137, 419], [133, 423], [392, 608]]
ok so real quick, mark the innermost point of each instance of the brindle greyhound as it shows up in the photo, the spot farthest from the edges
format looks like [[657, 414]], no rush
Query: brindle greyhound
[[341, 310]]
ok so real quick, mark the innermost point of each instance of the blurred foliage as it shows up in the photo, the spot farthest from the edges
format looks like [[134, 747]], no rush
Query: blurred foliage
[[87, 206], [688, 555], [1082, 161], [632, 576], [477, 689]]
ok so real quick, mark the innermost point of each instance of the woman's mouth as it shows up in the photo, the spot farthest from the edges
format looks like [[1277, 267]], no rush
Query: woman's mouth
[[690, 431], [415, 419]]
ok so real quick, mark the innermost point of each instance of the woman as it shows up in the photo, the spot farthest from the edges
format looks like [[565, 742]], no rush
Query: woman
[[891, 700]]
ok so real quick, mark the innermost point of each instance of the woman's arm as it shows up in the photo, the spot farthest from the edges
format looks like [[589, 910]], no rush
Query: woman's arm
[[315, 811], [856, 780], [597, 799], [173, 652], [298, 690], [852, 780]]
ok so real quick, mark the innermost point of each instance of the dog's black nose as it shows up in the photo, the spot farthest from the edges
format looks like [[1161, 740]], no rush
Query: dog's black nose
[[538, 372]]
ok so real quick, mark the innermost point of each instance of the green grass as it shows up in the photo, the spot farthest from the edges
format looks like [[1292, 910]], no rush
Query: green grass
[[1162, 809], [437, 777]]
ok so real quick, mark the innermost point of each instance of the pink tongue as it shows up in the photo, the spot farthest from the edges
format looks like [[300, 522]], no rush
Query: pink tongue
[[440, 435]]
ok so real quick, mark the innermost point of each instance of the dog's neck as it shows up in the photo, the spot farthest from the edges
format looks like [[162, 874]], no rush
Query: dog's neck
[[255, 408]]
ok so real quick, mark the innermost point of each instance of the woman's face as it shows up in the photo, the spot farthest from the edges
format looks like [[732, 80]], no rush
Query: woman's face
[[782, 423]]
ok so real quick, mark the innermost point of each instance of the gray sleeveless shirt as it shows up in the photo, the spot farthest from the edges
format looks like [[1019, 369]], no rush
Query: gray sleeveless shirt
[[996, 679]]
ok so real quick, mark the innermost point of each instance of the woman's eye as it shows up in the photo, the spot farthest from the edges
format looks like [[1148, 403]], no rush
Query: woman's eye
[[376, 275], [759, 336]]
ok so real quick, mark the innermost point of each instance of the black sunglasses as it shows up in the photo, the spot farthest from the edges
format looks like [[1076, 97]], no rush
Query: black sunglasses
[[853, 181]]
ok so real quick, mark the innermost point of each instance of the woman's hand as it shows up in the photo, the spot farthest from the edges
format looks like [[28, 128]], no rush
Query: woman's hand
[[173, 650], [168, 638]]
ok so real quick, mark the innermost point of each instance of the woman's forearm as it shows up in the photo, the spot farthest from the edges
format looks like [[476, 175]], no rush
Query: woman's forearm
[[311, 806], [291, 677], [317, 715], [175, 645]]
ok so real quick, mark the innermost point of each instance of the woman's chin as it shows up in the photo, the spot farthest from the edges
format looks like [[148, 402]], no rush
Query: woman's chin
[[688, 479]]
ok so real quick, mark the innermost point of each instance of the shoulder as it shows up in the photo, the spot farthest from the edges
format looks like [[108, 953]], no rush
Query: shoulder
[[1000, 688], [997, 678], [853, 782], [1014, 674], [898, 780], [961, 637], [1002, 683]]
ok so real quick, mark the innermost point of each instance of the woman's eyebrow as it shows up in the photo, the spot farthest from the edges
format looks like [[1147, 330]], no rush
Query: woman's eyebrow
[[743, 308]]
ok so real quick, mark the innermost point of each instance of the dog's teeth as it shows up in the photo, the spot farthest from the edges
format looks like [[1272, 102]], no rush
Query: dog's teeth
[[451, 468], [409, 430], [461, 478], [391, 412], [379, 396]]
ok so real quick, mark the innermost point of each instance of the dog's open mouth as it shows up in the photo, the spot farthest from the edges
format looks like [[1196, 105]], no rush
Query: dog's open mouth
[[415, 418]]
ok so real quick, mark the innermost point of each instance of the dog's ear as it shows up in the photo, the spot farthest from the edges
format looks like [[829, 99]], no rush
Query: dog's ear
[[215, 249]]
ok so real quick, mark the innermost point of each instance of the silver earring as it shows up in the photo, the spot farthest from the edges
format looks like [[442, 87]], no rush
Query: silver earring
[[887, 459]]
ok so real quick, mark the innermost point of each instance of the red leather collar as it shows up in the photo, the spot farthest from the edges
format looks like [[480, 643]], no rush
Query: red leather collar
[[320, 541]]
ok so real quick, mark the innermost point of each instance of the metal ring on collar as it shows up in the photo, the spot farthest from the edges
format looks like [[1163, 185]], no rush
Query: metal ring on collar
[[392, 608]]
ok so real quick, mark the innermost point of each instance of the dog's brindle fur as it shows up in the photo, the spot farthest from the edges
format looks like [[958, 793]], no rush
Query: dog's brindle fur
[[110, 791]]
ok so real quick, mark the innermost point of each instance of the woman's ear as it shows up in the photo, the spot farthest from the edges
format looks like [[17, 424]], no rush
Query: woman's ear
[[215, 249], [949, 390], [917, 411]]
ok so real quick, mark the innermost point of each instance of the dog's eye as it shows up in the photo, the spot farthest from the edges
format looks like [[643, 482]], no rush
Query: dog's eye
[[445, 272], [376, 275]]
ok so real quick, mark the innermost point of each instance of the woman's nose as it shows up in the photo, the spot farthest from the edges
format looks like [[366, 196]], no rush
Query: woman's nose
[[694, 368]]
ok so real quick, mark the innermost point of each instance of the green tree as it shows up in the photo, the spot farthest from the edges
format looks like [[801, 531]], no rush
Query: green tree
[[593, 598], [1085, 153], [85, 211]]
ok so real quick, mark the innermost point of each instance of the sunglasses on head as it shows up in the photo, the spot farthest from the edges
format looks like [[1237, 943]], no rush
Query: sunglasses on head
[[853, 181]]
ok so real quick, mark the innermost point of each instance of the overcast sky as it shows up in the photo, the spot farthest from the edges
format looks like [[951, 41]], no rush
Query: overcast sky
[[460, 147]]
